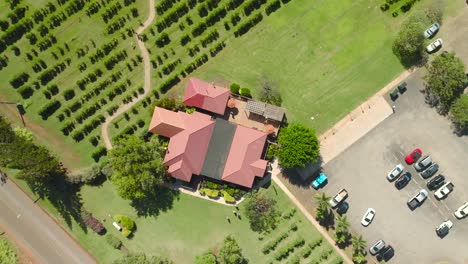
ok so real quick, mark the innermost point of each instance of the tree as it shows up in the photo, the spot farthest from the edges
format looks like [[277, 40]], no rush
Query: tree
[[7, 254], [230, 252], [269, 94], [323, 209], [459, 113], [298, 146], [409, 43], [341, 231], [138, 167], [262, 212], [142, 259], [445, 80], [359, 245], [206, 258]]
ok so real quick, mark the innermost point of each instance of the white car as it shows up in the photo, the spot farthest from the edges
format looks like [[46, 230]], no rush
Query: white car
[[377, 247], [432, 30], [368, 217], [443, 229], [434, 45], [462, 212], [392, 175]]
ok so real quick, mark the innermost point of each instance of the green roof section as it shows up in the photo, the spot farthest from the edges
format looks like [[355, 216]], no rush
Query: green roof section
[[218, 149]]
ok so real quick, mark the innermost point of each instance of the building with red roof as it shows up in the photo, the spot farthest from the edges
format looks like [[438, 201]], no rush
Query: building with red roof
[[206, 96], [210, 147]]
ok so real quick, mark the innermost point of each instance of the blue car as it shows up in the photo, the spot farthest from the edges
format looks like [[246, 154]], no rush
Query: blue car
[[319, 180]]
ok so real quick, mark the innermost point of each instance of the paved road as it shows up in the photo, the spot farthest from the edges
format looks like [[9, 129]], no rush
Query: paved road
[[35, 231]]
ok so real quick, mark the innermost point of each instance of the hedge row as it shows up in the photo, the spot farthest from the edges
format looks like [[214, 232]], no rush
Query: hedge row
[[247, 25], [285, 251], [197, 63], [49, 109], [270, 246], [98, 153], [252, 6]]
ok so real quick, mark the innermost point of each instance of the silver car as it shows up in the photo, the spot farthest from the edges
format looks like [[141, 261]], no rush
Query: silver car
[[432, 30], [392, 175], [434, 45], [377, 247]]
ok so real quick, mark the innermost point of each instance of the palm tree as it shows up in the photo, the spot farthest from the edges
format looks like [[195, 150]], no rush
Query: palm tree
[[322, 200], [323, 208], [359, 245], [342, 224], [359, 258]]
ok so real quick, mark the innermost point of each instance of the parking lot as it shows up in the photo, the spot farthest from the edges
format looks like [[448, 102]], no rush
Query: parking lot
[[363, 167]]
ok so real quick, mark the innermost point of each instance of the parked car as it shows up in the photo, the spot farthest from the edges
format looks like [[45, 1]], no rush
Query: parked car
[[430, 171], [368, 217], [413, 156], [444, 190], [462, 211], [443, 229], [393, 174], [342, 208], [417, 200], [386, 254], [437, 44], [436, 182], [319, 180], [338, 198], [404, 179], [432, 30], [377, 247], [423, 163]]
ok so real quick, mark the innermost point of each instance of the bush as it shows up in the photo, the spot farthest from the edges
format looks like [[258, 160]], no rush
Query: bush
[[125, 221], [211, 193], [101, 151], [285, 251], [245, 92], [113, 241], [395, 14], [384, 7], [228, 198], [86, 176], [271, 152], [235, 88], [49, 109], [270, 246], [293, 227], [294, 260]]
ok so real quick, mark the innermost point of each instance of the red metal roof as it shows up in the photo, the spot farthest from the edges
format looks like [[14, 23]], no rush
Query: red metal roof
[[244, 160], [190, 135], [206, 96]]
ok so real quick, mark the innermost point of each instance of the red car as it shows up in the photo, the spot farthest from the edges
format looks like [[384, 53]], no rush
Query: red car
[[413, 156]]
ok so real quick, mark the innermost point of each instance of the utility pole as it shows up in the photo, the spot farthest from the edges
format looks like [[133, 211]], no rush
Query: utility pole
[[20, 109]]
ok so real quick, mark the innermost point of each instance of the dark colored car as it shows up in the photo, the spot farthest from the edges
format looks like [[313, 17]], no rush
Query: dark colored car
[[429, 172], [401, 182], [342, 208], [413, 156], [386, 254], [436, 182]]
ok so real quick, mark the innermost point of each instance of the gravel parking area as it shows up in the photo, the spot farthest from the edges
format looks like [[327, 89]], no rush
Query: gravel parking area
[[362, 168]]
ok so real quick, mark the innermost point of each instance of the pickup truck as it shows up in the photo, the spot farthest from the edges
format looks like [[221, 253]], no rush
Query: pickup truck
[[417, 200], [444, 190], [338, 198]]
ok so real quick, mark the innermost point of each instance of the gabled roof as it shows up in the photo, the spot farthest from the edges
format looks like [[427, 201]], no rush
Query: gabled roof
[[244, 160], [206, 96], [189, 136]]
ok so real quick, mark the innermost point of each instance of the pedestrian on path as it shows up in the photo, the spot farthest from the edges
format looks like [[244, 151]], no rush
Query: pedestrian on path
[[393, 108]]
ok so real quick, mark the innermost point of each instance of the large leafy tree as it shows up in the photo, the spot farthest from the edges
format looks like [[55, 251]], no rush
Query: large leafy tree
[[262, 212], [459, 113], [142, 259], [408, 46], [206, 258], [138, 167], [445, 80], [230, 252], [7, 254], [298, 146]]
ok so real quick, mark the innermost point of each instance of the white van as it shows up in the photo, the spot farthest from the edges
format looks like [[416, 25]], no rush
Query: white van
[[422, 164]]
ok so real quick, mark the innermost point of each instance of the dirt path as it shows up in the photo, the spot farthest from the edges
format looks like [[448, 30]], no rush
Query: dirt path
[[147, 85]]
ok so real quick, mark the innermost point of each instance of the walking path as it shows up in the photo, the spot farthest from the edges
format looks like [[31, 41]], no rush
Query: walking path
[[147, 84]]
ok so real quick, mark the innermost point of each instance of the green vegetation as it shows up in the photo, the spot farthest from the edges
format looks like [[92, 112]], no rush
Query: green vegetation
[[142, 259], [113, 241], [459, 113], [359, 249], [7, 253], [262, 212], [342, 234], [445, 81], [206, 258], [138, 167], [322, 212], [409, 45], [126, 223], [298, 146], [230, 252]]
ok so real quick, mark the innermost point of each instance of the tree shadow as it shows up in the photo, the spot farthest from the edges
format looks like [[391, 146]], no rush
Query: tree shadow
[[303, 177], [162, 199], [329, 221], [65, 198]]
